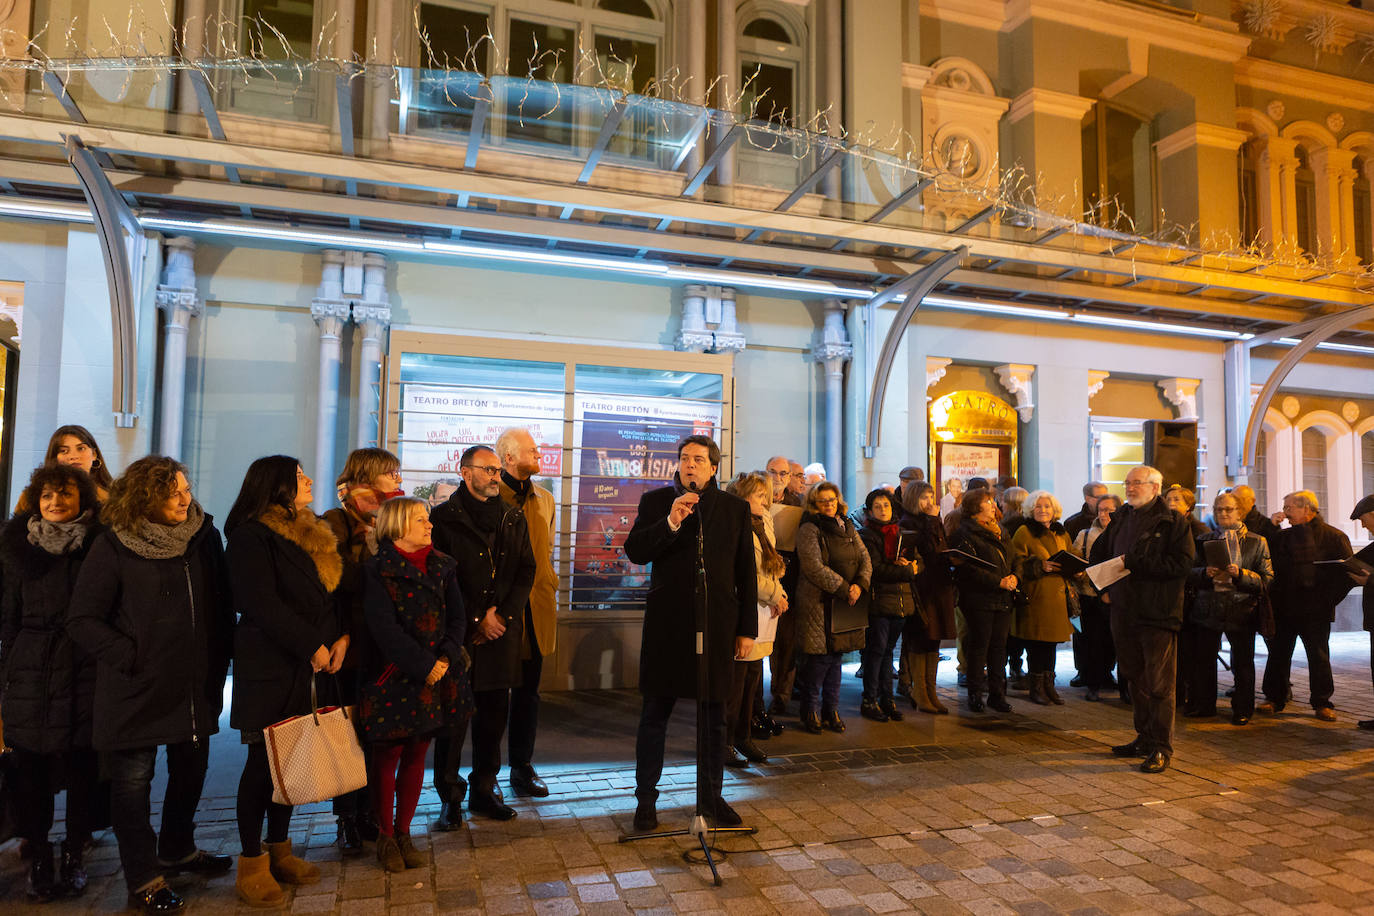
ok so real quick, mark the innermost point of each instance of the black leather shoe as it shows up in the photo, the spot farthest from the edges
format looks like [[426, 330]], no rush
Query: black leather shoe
[[775, 727], [42, 876], [525, 781], [1157, 762], [646, 817], [1077, 681], [832, 721], [156, 899], [488, 804], [200, 862], [975, 703], [73, 872], [367, 822], [999, 703], [1366, 724], [778, 707], [751, 752], [734, 759], [723, 815], [889, 707], [759, 728], [1133, 749], [872, 711], [811, 723], [450, 817], [347, 837], [1238, 719]]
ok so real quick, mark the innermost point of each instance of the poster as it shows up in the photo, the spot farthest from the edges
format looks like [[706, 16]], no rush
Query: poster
[[965, 461]]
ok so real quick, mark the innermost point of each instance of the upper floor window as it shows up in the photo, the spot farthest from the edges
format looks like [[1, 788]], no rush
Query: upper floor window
[[770, 66], [274, 30], [1314, 463], [1305, 187], [1367, 463], [1363, 243], [1119, 170], [1248, 197]]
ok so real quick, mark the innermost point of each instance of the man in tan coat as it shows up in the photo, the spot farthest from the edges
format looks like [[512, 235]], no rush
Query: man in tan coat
[[519, 456]]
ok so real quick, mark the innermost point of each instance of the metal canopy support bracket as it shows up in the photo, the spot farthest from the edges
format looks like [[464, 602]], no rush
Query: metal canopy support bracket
[[724, 146], [916, 286], [117, 229], [603, 139], [480, 109], [1316, 331], [831, 160]]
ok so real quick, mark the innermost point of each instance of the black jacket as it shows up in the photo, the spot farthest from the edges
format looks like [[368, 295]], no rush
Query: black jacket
[[892, 583], [1078, 521], [935, 582], [1159, 559], [163, 632], [1256, 522], [1303, 590], [49, 681], [285, 615], [498, 574], [979, 585], [667, 659], [1228, 608]]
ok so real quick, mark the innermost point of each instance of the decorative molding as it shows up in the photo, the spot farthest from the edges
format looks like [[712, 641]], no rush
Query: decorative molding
[[1178, 30], [980, 14], [330, 315], [1182, 393], [914, 76], [708, 320], [1350, 411], [1335, 122], [1050, 103], [1276, 109], [1096, 379], [176, 294], [1291, 407], [1017, 378], [1296, 82], [833, 347], [935, 370], [1212, 136]]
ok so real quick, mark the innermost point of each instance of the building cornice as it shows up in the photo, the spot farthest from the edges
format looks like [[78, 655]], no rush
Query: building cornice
[[914, 76], [1048, 102], [1342, 23], [1212, 136], [980, 14], [1298, 82], [1189, 33], [975, 103]]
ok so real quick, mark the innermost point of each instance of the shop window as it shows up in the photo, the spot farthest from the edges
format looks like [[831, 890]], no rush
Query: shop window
[[1118, 444], [1305, 187], [1364, 213], [1314, 464], [1118, 170], [607, 422]]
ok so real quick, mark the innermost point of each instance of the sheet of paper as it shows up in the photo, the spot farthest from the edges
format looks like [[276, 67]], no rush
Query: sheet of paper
[[768, 624], [1104, 574]]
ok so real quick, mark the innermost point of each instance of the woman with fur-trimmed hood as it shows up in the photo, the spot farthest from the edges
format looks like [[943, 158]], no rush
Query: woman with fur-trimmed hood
[[284, 566]]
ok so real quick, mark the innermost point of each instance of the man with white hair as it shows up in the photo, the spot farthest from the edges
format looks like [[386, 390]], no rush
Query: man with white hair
[[815, 473], [1304, 598], [1155, 545]]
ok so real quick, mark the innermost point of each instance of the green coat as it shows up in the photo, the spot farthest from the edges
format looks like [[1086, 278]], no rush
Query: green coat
[[1045, 616]]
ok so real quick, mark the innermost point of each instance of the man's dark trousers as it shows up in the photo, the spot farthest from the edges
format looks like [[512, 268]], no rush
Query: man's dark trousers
[[1316, 642], [524, 704], [1148, 658], [649, 743]]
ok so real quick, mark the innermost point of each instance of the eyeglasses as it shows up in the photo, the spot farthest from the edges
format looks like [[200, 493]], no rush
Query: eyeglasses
[[492, 469], [828, 501], [1225, 510]]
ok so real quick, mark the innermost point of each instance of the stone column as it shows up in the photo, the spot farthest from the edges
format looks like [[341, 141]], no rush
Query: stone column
[[372, 315], [1046, 132], [832, 352], [193, 28], [693, 68], [380, 52], [1197, 180], [831, 20], [330, 310], [1285, 159], [727, 67], [176, 295], [1328, 165]]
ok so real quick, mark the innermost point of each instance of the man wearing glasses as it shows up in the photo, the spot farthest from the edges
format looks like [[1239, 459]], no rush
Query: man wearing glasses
[[490, 540], [1155, 546], [780, 473]]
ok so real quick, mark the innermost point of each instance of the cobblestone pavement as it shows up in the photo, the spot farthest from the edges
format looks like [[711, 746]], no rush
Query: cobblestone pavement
[[1024, 813]]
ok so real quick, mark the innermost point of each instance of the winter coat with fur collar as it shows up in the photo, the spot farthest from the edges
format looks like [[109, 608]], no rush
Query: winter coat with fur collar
[[284, 574]]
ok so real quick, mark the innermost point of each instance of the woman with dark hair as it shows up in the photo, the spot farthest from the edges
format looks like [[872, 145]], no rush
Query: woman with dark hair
[[284, 566], [49, 681], [986, 584], [923, 633], [369, 478], [890, 604], [757, 490], [152, 605], [835, 571], [74, 446], [418, 679]]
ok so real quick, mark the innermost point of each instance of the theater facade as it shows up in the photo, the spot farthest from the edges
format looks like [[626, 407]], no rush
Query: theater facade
[[970, 235]]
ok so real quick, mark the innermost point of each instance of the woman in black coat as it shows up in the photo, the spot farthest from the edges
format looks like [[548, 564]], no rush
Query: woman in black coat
[[420, 677], [986, 585], [49, 681], [923, 633], [891, 604], [152, 604], [284, 566]]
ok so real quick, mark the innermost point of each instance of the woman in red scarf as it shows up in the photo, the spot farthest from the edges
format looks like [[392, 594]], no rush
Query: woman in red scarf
[[893, 601]]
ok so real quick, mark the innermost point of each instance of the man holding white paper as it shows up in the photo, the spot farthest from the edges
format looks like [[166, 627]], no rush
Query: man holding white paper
[[1150, 551]]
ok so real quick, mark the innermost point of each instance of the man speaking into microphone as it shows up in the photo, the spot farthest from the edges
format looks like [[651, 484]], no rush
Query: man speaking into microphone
[[672, 522]]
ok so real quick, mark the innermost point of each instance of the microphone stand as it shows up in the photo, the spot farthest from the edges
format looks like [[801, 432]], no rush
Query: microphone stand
[[706, 794]]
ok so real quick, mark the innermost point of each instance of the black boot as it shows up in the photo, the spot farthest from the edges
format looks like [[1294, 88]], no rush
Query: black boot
[[42, 878], [1037, 689], [73, 872], [347, 837]]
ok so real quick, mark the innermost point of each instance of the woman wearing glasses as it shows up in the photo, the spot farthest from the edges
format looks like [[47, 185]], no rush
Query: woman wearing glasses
[[1228, 600]]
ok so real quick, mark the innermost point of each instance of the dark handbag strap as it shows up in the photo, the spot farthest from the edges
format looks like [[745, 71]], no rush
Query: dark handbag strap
[[314, 697]]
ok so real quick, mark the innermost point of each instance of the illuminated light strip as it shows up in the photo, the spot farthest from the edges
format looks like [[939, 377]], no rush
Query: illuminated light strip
[[282, 234], [1021, 311], [1328, 345], [72, 214]]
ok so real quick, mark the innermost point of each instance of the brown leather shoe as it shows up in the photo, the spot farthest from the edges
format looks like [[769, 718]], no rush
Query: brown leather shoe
[[1326, 714]]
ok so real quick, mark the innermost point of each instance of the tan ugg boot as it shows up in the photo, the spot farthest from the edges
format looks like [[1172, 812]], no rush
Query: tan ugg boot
[[255, 883], [288, 868]]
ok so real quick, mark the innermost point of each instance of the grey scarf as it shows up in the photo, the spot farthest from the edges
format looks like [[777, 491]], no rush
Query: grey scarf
[[162, 542], [58, 538]]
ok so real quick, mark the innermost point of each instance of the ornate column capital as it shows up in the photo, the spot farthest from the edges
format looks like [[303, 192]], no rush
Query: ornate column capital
[[1016, 378], [935, 370], [833, 347], [1096, 379], [373, 319], [176, 294], [329, 315], [709, 323], [1182, 393]]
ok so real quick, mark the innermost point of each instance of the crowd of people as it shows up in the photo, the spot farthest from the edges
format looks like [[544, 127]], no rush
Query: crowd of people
[[123, 607]]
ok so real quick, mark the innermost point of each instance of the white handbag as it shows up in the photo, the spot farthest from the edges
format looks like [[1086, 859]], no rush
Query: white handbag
[[315, 757]]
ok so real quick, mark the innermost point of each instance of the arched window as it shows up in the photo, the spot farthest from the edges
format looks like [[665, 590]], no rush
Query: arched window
[[1314, 464], [1259, 474], [1248, 196], [1118, 169], [1363, 242], [770, 58], [1367, 463], [1305, 182]]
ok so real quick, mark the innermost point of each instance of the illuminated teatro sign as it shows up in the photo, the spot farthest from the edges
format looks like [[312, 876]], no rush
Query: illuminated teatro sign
[[972, 416]]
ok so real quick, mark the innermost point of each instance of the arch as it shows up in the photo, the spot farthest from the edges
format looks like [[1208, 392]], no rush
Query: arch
[[645, 9], [1257, 122], [784, 14], [1275, 421], [1365, 426], [1331, 423], [1310, 134], [1362, 142], [962, 74]]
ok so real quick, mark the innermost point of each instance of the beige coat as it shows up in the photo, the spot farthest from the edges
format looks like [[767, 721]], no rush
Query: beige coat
[[539, 513], [1045, 617]]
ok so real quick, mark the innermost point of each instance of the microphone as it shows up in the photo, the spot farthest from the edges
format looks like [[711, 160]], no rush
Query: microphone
[[694, 486]]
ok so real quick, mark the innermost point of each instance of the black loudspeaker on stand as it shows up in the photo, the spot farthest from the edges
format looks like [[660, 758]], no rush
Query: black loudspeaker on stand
[[1171, 447], [698, 828]]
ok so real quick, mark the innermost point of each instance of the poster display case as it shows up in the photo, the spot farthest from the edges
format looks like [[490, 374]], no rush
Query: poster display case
[[972, 434]]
